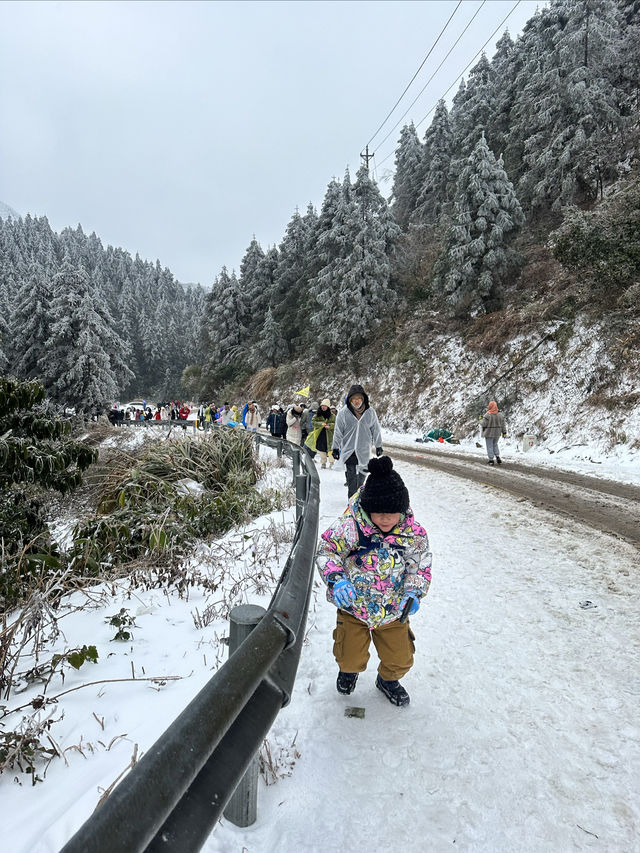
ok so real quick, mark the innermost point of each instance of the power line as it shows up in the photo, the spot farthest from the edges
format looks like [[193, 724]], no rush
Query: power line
[[434, 73], [459, 75], [416, 74]]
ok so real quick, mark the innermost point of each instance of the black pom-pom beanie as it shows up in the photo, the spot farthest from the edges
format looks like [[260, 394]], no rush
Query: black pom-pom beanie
[[384, 489]]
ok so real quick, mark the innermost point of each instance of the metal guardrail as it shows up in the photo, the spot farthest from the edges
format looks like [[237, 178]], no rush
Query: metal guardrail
[[173, 797]]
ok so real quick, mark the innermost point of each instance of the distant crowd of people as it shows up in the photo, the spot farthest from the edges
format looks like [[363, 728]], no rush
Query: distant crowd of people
[[320, 427]]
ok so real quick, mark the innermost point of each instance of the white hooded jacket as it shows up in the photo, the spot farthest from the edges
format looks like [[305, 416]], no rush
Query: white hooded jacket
[[357, 435]]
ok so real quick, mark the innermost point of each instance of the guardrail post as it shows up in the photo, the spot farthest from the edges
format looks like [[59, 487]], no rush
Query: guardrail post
[[242, 808], [301, 494], [295, 457]]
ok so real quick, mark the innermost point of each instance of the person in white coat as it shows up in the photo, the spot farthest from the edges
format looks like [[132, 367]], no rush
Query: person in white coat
[[294, 424], [357, 430]]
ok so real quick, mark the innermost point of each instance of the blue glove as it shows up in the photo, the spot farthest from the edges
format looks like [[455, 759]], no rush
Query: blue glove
[[344, 593], [410, 593]]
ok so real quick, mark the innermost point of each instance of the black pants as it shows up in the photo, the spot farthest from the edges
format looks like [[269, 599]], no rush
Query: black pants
[[354, 479]]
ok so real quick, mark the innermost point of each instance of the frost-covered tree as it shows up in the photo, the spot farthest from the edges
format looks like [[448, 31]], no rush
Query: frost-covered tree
[[433, 193], [407, 176], [119, 350], [142, 298], [352, 291], [4, 329], [568, 113], [291, 280], [75, 366], [472, 109], [338, 222], [268, 346], [224, 322], [127, 327], [504, 66], [31, 322], [478, 256], [257, 298], [627, 77]]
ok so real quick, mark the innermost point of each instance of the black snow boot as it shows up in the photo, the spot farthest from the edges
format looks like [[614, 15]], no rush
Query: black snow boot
[[394, 691], [490, 461], [498, 460], [346, 682]]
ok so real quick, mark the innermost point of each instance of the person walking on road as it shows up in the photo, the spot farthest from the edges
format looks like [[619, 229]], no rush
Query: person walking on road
[[375, 562], [252, 417], [493, 426], [321, 437], [357, 429], [294, 423]]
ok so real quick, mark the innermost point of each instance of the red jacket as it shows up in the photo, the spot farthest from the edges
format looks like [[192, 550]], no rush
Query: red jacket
[[183, 414]]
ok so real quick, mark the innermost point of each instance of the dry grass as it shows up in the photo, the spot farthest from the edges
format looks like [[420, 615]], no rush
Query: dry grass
[[261, 384]]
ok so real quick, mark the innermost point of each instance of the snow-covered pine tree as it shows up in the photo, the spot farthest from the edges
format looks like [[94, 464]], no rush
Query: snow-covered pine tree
[[265, 280], [478, 256], [471, 111], [256, 296], [408, 176], [4, 332], [74, 364], [352, 291], [504, 71], [568, 115], [30, 322], [337, 229], [268, 346], [434, 191], [127, 329], [627, 77], [225, 319], [291, 280], [119, 350]]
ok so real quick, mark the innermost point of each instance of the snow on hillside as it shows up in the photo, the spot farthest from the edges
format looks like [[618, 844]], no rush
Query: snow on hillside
[[522, 732], [558, 384], [7, 212]]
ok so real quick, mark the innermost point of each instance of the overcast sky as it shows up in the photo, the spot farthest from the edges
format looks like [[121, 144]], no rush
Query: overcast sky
[[180, 129]]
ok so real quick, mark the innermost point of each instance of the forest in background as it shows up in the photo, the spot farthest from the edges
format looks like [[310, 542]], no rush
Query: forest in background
[[524, 192], [528, 184], [93, 325]]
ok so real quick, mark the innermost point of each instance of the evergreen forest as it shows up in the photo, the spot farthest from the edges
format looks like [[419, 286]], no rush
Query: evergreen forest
[[536, 157], [93, 325], [539, 149]]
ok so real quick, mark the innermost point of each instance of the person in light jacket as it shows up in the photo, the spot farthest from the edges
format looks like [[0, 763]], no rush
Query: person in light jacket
[[357, 429], [493, 426], [321, 437], [252, 417], [294, 426]]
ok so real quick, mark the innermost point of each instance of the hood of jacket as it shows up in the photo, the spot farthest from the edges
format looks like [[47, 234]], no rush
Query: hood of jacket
[[357, 389]]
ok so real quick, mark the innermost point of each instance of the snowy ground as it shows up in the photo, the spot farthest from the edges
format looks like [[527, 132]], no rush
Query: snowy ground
[[621, 464], [522, 733]]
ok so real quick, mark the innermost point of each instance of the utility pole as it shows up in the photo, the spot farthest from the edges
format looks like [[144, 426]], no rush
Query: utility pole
[[366, 157]]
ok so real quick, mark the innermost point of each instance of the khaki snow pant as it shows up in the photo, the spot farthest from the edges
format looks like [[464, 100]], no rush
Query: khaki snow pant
[[394, 642], [326, 457]]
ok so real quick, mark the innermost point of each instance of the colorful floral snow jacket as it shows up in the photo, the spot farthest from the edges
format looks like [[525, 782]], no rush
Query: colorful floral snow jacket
[[380, 566]]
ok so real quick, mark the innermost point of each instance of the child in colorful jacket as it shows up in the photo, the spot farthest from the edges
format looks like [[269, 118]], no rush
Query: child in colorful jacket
[[373, 559]]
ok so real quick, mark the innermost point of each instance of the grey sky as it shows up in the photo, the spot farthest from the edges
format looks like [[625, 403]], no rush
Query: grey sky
[[180, 129]]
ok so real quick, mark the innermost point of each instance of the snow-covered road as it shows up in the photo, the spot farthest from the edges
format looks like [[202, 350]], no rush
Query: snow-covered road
[[522, 733]]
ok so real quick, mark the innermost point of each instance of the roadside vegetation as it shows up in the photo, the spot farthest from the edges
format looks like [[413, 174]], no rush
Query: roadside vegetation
[[128, 519]]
